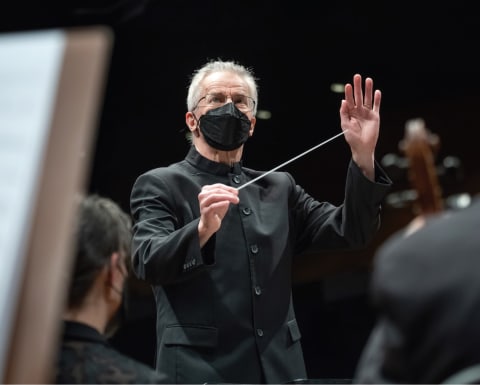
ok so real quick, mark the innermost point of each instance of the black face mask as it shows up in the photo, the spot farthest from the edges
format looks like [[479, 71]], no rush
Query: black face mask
[[225, 128]]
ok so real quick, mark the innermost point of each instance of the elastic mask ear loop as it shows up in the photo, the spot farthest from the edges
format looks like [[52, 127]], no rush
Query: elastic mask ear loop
[[193, 113], [196, 120]]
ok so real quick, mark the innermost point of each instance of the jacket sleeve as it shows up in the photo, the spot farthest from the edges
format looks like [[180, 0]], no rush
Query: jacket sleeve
[[323, 226], [165, 246]]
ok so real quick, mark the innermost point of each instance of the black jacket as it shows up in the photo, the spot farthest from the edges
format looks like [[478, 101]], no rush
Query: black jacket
[[224, 312], [85, 357], [426, 290]]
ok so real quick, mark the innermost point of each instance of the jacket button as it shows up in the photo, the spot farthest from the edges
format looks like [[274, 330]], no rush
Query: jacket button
[[247, 211], [254, 249], [260, 332], [258, 290], [236, 179]]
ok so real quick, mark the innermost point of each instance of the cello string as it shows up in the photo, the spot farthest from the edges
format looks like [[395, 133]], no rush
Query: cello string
[[291, 160]]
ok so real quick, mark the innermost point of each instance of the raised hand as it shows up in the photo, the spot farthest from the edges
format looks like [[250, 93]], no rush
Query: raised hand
[[360, 120]]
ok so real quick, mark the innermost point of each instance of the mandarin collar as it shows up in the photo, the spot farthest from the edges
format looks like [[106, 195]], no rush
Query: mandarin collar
[[199, 161]]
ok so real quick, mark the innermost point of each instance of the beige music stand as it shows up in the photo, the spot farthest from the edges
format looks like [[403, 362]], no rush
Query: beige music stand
[[51, 87]]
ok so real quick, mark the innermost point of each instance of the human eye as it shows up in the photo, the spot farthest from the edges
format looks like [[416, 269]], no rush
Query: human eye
[[241, 101], [216, 98]]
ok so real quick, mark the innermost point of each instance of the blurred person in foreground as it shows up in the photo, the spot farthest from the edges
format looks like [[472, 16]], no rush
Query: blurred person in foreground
[[102, 250], [425, 289], [219, 259]]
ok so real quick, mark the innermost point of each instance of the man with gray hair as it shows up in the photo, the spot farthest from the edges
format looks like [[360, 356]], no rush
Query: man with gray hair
[[219, 256]]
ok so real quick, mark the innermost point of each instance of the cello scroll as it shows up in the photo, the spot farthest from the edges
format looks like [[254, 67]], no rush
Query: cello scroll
[[420, 147]]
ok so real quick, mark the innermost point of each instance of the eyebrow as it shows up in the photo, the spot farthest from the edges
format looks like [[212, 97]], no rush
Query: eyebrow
[[220, 89]]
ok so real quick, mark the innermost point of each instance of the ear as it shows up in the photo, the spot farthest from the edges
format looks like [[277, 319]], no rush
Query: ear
[[114, 261], [114, 278], [190, 121], [253, 120], [114, 274]]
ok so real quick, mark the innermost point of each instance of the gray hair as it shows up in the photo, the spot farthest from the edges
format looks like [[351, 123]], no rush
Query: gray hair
[[194, 90]]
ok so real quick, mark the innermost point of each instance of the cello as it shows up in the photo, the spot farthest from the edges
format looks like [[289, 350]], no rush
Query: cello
[[420, 147]]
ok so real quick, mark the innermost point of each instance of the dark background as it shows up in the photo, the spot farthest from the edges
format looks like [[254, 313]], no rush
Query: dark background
[[423, 57]]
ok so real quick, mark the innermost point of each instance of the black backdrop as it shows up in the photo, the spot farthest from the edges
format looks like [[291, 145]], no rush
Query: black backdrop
[[422, 57]]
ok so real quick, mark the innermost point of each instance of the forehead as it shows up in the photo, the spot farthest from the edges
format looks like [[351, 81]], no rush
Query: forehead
[[222, 80]]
